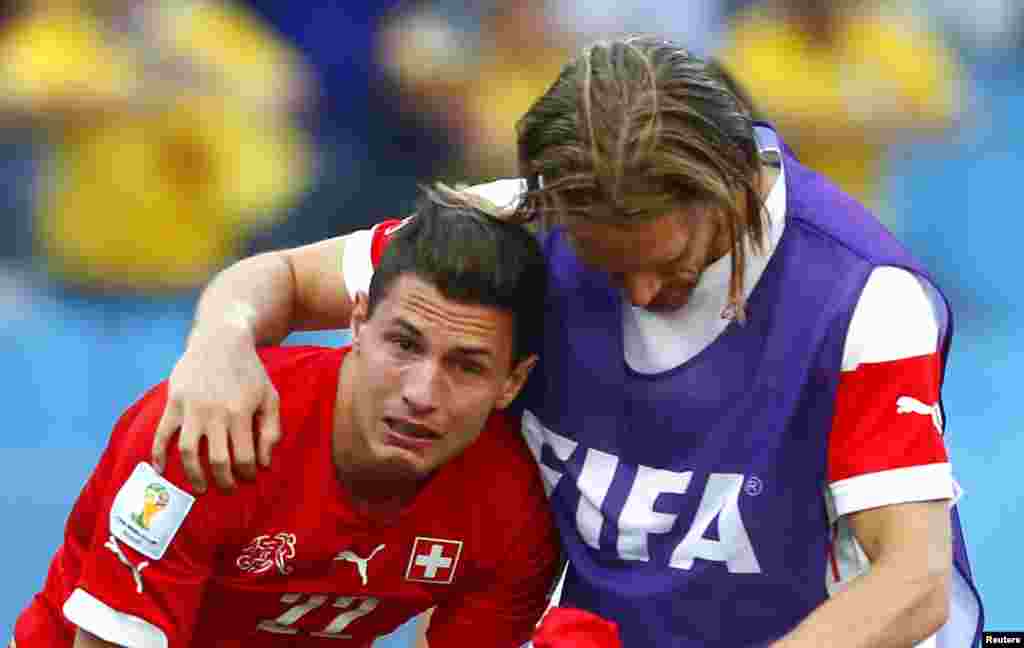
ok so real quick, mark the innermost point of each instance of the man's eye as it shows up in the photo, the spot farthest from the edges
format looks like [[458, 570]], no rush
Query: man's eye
[[404, 343], [471, 368]]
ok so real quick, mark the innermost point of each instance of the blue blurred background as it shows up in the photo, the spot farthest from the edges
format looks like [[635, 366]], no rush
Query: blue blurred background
[[146, 144]]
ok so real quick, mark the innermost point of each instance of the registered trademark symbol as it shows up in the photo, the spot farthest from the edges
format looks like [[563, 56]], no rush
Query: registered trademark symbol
[[754, 486]]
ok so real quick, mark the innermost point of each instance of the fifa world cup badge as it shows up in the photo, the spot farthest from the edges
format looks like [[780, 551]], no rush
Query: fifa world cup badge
[[148, 511]]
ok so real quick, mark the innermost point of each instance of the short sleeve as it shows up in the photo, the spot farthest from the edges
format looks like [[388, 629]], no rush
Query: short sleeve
[[145, 570], [363, 250], [886, 445]]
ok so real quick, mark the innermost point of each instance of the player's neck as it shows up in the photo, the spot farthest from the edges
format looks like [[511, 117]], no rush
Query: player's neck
[[373, 491]]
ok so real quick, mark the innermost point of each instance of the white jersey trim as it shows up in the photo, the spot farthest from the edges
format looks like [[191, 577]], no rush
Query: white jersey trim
[[897, 316], [356, 263], [357, 259], [895, 486], [96, 617], [505, 193]]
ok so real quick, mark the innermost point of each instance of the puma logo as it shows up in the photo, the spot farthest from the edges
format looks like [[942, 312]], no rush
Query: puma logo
[[361, 563], [136, 569], [910, 405]]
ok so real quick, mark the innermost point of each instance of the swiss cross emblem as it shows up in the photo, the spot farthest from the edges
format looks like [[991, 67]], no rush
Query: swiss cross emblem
[[433, 560]]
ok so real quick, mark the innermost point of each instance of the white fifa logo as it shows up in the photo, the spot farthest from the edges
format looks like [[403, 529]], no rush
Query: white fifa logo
[[637, 520]]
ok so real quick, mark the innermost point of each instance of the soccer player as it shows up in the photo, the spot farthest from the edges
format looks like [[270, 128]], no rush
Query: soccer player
[[398, 487], [737, 412]]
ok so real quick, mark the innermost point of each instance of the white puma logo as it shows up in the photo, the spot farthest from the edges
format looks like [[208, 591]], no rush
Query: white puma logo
[[360, 562], [910, 405], [136, 569]]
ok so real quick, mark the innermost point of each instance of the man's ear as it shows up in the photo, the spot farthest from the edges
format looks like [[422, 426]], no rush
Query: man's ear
[[515, 381], [360, 310]]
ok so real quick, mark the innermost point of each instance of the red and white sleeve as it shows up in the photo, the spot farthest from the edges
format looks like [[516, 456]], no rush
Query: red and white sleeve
[[886, 446], [144, 575], [364, 248]]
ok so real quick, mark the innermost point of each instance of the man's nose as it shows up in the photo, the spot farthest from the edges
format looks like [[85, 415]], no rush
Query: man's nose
[[422, 386], [641, 287]]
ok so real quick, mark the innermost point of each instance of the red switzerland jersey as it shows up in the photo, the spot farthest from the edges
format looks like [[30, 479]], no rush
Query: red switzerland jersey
[[286, 560]]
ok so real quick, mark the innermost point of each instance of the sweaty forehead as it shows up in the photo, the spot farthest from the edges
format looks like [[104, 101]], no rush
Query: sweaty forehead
[[420, 304]]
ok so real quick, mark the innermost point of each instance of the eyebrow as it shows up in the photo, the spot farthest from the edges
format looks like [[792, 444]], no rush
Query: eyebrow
[[407, 326], [403, 323]]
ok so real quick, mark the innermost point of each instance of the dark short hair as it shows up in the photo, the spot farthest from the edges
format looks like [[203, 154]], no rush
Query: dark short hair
[[456, 242]]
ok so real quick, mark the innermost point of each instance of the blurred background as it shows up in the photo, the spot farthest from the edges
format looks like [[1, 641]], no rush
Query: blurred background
[[146, 144]]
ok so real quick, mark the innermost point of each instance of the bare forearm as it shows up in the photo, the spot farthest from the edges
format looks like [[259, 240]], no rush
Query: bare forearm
[[267, 296], [255, 297], [877, 610]]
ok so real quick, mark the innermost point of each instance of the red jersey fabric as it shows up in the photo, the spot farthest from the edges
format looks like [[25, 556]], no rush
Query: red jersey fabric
[[286, 560], [572, 628]]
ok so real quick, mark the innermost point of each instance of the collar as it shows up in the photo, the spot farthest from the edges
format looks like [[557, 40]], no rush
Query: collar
[[713, 285]]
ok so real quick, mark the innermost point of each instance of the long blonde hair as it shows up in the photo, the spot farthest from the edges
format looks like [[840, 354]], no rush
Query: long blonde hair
[[635, 128]]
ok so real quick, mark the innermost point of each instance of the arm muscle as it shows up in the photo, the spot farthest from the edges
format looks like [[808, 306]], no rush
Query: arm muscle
[[271, 294]]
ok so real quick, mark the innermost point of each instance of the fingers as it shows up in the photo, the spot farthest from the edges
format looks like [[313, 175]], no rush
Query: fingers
[[270, 426], [242, 445], [169, 424], [188, 446], [225, 441], [220, 456]]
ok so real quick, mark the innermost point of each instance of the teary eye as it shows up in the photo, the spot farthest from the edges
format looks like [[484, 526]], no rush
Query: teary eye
[[404, 342], [471, 367]]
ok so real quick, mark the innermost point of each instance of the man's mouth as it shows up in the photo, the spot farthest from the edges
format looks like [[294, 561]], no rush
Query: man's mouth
[[410, 435]]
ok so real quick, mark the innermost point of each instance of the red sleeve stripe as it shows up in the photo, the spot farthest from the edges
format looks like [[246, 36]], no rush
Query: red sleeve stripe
[[886, 417]]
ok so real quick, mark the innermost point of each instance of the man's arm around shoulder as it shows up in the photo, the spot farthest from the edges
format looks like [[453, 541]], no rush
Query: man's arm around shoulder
[[219, 384]]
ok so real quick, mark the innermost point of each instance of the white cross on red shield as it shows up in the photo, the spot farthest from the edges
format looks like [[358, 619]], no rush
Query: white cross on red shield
[[433, 560]]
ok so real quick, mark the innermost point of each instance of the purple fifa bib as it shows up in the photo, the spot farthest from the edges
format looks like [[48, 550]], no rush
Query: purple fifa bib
[[691, 502]]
